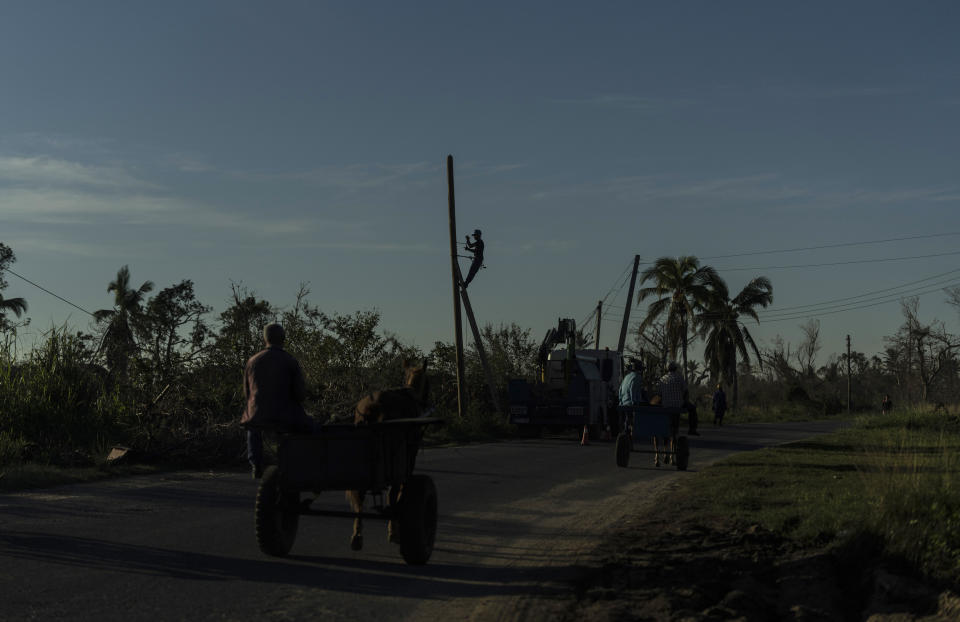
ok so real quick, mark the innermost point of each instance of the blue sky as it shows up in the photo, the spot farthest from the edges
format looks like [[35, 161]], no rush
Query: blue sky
[[288, 142]]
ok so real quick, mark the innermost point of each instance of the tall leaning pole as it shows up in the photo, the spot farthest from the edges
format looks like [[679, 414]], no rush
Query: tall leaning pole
[[455, 271]]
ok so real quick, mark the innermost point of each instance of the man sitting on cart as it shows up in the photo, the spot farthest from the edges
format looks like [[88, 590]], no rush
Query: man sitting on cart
[[274, 388], [632, 392]]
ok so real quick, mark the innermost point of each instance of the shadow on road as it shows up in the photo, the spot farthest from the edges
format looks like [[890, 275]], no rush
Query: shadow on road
[[328, 573]]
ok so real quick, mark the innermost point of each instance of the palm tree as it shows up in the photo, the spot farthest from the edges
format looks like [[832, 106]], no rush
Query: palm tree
[[127, 308], [17, 305], [682, 286], [724, 332]]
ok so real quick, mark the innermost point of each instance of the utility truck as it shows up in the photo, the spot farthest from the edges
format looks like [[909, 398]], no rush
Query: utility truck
[[575, 387]]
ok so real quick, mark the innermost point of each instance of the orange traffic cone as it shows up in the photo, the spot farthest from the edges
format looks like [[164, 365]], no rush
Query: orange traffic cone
[[585, 439]]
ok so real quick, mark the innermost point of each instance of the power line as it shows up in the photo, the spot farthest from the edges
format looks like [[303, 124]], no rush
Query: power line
[[588, 318], [860, 304], [610, 291], [864, 295], [842, 263], [867, 297], [801, 316], [623, 276], [838, 245], [49, 292], [857, 304]]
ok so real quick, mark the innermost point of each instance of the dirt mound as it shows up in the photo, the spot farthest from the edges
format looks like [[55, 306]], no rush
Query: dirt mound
[[677, 563]]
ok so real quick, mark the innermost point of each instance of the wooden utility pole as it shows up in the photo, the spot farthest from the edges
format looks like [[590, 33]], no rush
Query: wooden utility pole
[[455, 271], [626, 312], [480, 351], [848, 374], [596, 338]]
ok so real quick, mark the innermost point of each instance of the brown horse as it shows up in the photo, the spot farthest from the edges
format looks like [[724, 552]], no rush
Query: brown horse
[[398, 403]]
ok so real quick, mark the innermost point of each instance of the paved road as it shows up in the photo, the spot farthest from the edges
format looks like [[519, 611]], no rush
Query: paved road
[[517, 519]]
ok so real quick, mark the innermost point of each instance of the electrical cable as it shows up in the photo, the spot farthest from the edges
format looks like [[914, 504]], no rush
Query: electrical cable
[[816, 304], [610, 291], [840, 263], [771, 314], [838, 245], [801, 316], [49, 292]]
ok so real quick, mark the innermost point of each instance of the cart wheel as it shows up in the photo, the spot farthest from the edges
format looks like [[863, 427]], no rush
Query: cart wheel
[[683, 453], [277, 515], [623, 450], [418, 519]]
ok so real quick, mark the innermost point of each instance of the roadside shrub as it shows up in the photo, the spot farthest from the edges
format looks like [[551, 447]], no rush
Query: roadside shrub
[[12, 448], [913, 489], [54, 403], [479, 423]]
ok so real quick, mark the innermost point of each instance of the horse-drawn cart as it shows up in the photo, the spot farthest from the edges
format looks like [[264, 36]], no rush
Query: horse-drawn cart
[[371, 458], [652, 422]]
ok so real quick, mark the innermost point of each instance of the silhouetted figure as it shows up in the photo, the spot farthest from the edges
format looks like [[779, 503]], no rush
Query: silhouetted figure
[[719, 405], [475, 247], [886, 405], [274, 388], [674, 394], [632, 392]]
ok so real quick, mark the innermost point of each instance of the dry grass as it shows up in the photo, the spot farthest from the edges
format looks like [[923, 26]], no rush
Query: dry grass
[[887, 479]]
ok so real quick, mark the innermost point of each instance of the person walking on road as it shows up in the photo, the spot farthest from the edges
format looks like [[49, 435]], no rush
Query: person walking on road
[[274, 388], [719, 405]]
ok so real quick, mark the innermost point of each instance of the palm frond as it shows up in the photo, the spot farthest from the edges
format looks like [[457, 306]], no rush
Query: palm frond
[[103, 314], [17, 305], [749, 339]]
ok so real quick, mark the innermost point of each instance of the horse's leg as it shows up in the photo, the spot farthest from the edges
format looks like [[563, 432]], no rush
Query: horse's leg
[[356, 502], [656, 452], [393, 526]]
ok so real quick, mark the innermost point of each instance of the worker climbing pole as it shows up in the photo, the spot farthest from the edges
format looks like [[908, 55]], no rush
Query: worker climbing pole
[[475, 247], [460, 294]]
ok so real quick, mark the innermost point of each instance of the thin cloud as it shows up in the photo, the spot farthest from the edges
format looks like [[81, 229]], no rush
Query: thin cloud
[[551, 246], [43, 205], [49, 172], [629, 102], [760, 187], [36, 142], [817, 91], [770, 189], [366, 246], [189, 164], [68, 247], [60, 207], [349, 177], [472, 170]]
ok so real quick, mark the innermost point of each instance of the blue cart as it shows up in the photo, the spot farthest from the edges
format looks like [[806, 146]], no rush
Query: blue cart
[[647, 422]]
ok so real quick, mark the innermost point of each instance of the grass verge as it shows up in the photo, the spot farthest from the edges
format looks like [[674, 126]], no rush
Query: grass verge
[[888, 480]]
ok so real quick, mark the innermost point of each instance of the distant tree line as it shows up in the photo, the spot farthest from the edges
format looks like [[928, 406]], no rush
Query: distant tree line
[[160, 371], [690, 302]]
